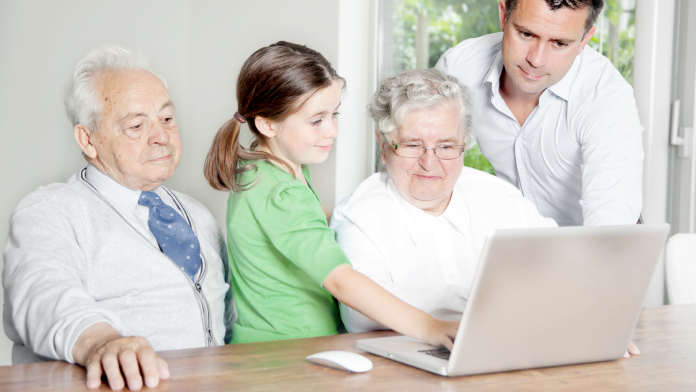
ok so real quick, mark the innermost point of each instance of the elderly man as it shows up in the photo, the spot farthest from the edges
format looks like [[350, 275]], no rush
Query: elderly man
[[107, 268], [418, 228], [553, 116]]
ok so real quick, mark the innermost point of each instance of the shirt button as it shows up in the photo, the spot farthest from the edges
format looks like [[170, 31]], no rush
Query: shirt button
[[452, 276]]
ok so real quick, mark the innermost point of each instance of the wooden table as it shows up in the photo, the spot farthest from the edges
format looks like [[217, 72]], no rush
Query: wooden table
[[665, 335]]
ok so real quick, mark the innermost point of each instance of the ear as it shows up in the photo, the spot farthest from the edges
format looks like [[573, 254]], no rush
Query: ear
[[84, 137], [502, 14], [383, 150], [587, 38], [266, 127]]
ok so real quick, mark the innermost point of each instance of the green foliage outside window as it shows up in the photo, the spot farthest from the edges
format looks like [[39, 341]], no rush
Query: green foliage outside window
[[617, 44], [475, 159], [449, 22], [452, 21]]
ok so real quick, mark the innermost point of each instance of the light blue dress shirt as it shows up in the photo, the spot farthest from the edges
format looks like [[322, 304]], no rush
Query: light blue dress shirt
[[579, 155]]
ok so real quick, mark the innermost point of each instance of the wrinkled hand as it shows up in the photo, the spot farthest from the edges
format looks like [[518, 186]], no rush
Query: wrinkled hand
[[441, 333], [632, 350], [102, 350]]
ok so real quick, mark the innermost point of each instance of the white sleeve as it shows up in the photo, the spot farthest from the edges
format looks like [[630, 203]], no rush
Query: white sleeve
[[367, 259], [612, 154], [46, 304]]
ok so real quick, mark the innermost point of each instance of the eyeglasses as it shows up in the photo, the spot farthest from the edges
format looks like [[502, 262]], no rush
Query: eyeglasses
[[417, 150]]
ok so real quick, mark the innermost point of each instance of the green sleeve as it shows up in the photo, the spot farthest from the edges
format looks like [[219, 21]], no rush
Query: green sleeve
[[296, 226]]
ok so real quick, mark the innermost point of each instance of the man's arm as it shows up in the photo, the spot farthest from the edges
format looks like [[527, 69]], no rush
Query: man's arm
[[612, 153], [103, 351], [46, 304], [47, 307]]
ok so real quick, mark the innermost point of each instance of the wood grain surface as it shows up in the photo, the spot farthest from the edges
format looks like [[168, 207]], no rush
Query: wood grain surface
[[665, 335]]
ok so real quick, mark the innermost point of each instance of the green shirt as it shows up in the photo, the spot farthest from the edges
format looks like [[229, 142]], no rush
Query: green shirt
[[281, 250]]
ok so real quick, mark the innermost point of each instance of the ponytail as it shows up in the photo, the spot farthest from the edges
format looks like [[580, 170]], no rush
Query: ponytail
[[222, 168], [274, 82]]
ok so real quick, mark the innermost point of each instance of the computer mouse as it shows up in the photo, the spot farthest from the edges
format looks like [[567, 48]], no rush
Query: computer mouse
[[342, 360]]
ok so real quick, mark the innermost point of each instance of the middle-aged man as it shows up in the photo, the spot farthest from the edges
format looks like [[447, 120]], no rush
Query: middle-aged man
[[552, 115], [107, 268]]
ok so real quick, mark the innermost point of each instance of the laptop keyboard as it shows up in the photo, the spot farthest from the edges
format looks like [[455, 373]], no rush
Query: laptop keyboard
[[441, 352]]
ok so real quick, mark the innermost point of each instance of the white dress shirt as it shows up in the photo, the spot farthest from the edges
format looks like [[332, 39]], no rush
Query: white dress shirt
[[428, 262], [125, 201], [579, 155]]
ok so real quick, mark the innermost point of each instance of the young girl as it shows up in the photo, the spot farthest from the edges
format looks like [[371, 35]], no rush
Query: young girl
[[285, 262]]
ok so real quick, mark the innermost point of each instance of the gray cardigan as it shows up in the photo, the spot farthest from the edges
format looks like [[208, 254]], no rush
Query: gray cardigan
[[72, 261]]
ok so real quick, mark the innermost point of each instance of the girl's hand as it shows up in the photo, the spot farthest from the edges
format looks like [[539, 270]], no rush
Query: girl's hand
[[367, 297], [440, 333]]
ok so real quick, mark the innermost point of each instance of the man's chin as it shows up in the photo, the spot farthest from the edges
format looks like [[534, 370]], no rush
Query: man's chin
[[161, 175], [532, 88]]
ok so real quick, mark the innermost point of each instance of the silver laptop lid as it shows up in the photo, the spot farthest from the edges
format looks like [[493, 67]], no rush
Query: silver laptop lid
[[548, 297]]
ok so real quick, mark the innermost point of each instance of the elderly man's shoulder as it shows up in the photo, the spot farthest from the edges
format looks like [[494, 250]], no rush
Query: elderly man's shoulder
[[194, 206], [58, 195]]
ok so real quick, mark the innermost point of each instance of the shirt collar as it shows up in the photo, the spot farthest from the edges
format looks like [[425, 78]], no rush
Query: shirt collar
[[124, 199], [456, 212], [562, 88], [493, 75]]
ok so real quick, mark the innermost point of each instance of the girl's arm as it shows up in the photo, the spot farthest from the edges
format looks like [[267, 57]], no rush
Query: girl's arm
[[362, 294], [327, 213]]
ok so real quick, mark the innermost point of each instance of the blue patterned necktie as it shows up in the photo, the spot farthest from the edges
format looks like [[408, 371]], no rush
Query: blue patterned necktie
[[172, 232]]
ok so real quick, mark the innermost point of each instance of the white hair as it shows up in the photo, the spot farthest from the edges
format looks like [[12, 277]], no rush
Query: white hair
[[82, 103], [419, 89]]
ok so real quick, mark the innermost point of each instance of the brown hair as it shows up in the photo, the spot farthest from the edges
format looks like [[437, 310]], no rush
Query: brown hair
[[595, 8], [273, 83]]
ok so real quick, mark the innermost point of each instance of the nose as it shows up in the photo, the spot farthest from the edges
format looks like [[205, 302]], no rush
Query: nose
[[332, 130], [159, 134], [428, 161], [536, 56]]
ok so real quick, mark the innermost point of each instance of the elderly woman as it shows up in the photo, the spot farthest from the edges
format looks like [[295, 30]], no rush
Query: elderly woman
[[418, 227]]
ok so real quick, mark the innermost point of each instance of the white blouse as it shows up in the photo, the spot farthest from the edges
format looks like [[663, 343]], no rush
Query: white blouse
[[428, 262]]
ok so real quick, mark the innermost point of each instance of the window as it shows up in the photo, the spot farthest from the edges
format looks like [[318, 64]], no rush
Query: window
[[616, 33], [415, 33]]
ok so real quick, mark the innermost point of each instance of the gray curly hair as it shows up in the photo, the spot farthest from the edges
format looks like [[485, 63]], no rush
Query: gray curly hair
[[419, 89], [82, 104]]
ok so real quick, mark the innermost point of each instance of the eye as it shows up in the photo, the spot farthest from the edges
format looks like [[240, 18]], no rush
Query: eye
[[445, 147], [315, 123], [560, 45], [137, 127], [411, 146], [335, 114], [525, 34]]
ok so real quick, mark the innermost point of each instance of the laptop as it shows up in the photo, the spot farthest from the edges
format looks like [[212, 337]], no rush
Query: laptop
[[544, 297]]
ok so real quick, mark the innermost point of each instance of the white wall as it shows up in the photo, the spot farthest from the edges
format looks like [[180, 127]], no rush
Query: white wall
[[356, 63], [198, 46]]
